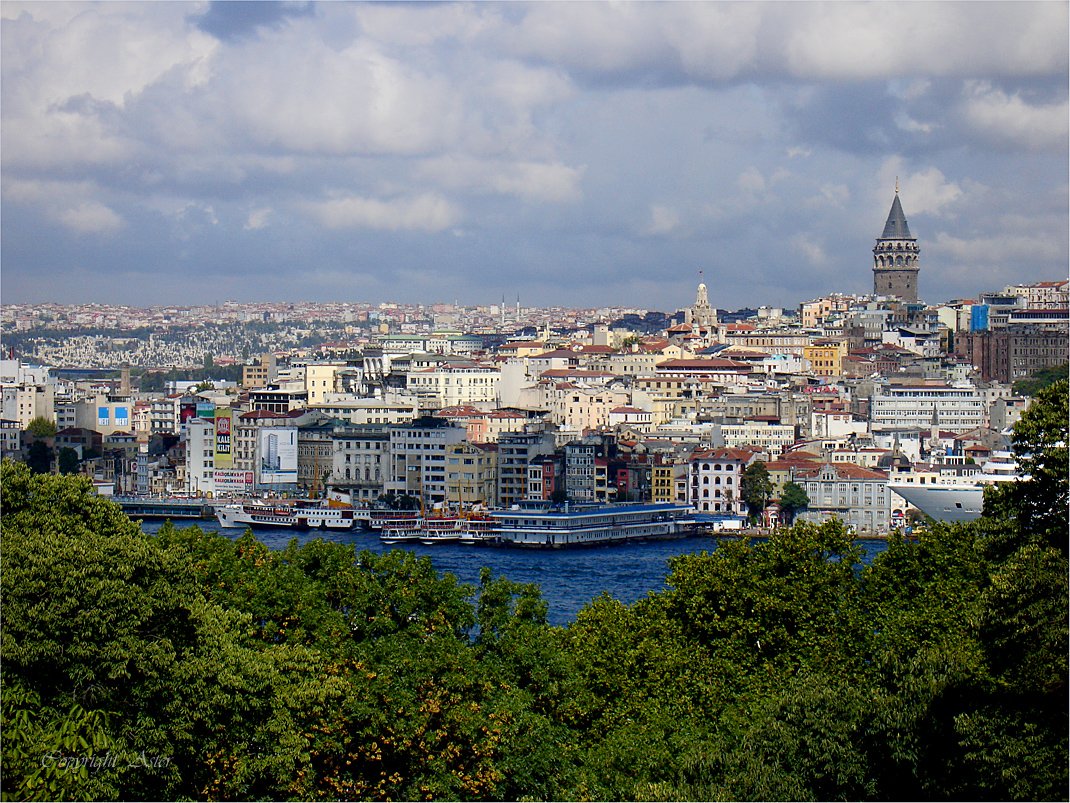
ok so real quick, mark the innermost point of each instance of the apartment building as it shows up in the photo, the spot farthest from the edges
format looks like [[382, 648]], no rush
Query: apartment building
[[360, 455], [715, 479], [417, 465], [956, 408]]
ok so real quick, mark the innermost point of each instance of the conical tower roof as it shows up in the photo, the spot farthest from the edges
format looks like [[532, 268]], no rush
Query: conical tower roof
[[896, 227]]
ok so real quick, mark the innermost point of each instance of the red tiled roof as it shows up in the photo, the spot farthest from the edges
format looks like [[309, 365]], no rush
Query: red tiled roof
[[844, 471]]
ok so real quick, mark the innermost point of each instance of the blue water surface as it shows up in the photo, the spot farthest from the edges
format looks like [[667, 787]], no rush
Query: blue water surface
[[569, 578]]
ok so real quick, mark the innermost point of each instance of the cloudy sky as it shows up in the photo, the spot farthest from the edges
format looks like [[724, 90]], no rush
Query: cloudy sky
[[574, 154]]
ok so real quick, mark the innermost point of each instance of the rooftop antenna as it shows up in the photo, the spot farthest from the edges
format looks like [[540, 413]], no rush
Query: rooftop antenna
[[897, 185]]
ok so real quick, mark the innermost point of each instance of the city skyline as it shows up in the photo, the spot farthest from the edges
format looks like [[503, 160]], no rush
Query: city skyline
[[581, 154]]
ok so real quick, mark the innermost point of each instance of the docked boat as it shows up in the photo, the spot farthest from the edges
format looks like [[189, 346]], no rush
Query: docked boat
[[302, 515], [956, 498], [439, 530], [539, 525]]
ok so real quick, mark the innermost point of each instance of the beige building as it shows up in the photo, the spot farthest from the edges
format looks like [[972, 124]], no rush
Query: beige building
[[449, 385], [581, 408], [471, 475]]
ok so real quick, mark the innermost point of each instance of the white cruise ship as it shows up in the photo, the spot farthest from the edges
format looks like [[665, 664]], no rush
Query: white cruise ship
[[951, 494]]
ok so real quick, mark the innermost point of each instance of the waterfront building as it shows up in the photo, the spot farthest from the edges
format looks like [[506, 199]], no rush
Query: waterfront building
[[359, 456], [857, 496], [417, 465], [715, 479], [200, 457], [895, 257], [545, 476], [471, 475], [515, 451]]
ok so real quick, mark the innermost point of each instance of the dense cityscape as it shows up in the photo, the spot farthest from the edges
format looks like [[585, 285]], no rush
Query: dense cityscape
[[510, 404]]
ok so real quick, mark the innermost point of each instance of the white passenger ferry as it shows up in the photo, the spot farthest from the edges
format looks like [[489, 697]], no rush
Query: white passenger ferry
[[539, 525], [302, 515]]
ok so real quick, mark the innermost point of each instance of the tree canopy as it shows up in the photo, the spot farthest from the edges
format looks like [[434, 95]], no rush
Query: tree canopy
[[192, 665]]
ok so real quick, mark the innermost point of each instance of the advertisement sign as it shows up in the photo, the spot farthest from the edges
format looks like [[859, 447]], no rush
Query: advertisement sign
[[232, 481], [186, 411], [103, 416], [224, 456], [205, 409], [277, 455], [122, 416]]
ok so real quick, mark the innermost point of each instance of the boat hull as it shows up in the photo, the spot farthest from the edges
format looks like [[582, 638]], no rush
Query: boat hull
[[944, 503], [291, 518]]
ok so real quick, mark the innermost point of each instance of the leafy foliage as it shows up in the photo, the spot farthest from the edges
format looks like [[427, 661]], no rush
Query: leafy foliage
[[191, 665], [1043, 378], [793, 499], [41, 427], [756, 488]]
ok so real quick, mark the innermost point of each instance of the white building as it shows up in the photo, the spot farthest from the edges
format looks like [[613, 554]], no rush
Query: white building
[[772, 439], [857, 496], [956, 408], [714, 482], [200, 457], [449, 385]]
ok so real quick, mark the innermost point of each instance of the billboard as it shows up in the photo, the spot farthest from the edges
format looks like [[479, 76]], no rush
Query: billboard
[[224, 456], [205, 409], [277, 455], [228, 481]]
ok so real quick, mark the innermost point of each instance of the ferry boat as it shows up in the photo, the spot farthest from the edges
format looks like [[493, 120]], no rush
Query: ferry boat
[[439, 529], [540, 525], [302, 515], [379, 519]]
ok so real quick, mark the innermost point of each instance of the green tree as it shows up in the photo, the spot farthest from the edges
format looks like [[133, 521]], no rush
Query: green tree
[[793, 499], [756, 488], [1040, 505], [41, 427], [1040, 380], [68, 460], [39, 457]]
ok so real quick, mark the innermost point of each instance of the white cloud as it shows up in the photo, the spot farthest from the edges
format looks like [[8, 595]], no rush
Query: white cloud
[[257, 219], [904, 40], [751, 181], [90, 218], [663, 220], [924, 191], [1005, 249], [528, 180], [1008, 118], [812, 251], [427, 212]]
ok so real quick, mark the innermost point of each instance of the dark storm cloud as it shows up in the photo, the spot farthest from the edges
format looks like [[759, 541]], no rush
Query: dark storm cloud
[[235, 19], [575, 153]]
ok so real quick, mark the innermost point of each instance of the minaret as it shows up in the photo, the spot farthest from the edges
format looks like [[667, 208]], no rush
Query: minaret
[[895, 257]]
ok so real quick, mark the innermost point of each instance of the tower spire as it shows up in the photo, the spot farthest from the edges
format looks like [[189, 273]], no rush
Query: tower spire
[[895, 256]]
